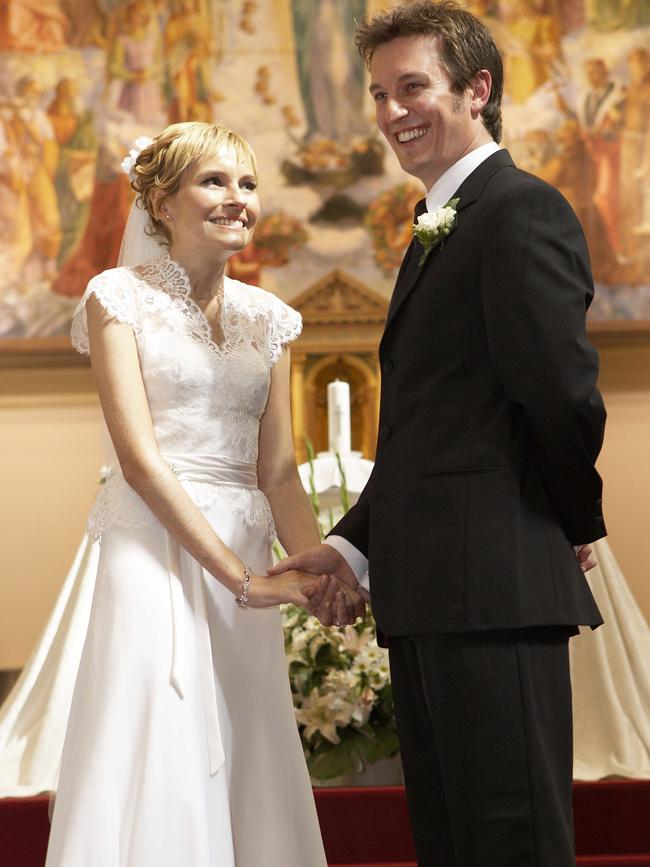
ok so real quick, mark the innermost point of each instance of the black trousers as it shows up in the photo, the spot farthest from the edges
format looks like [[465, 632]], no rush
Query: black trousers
[[485, 729]]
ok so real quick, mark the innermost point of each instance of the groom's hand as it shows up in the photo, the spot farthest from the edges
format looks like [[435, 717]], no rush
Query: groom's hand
[[338, 599], [585, 557], [323, 559]]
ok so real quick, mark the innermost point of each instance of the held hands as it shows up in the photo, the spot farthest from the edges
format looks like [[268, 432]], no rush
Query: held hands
[[323, 596], [337, 597], [291, 586], [335, 603]]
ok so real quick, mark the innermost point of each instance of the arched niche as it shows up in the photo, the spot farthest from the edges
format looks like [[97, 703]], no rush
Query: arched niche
[[363, 390], [343, 320]]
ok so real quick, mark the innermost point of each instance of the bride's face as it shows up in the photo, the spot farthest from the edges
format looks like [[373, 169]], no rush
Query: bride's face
[[216, 207]]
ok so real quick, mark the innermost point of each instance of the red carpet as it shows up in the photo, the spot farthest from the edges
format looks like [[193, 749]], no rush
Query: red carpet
[[369, 827]]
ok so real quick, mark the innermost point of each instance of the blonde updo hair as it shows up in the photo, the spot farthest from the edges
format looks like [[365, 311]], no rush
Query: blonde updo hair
[[161, 165]]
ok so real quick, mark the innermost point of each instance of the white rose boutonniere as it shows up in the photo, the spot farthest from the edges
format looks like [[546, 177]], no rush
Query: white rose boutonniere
[[432, 229]]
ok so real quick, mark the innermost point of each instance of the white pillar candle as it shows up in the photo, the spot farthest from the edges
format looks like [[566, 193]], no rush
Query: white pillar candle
[[339, 428]]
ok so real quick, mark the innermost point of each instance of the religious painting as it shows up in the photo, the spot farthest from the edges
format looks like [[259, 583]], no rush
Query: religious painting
[[80, 81]]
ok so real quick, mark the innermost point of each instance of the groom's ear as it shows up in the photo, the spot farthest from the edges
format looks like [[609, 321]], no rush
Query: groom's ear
[[480, 90]]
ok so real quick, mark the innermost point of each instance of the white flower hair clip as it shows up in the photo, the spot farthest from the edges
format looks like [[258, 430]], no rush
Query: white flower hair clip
[[128, 162]]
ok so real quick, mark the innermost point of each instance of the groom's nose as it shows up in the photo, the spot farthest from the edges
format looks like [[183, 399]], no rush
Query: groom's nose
[[394, 109]]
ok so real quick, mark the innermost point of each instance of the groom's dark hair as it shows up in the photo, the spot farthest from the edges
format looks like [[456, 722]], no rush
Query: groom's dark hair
[[465, 44]]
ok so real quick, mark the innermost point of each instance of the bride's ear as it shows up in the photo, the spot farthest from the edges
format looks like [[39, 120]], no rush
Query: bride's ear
[[159, 207]]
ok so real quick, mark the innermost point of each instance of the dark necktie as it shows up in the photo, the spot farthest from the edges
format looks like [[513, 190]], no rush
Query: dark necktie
[[420, 208]]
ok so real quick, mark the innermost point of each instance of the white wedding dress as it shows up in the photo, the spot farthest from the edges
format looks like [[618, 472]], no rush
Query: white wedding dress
[[182, 748]]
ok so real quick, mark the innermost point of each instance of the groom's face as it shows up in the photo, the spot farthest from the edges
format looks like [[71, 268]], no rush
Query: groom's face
[[427, 125]]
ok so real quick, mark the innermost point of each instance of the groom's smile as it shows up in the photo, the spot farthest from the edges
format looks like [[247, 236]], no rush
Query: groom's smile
[[411, 134]]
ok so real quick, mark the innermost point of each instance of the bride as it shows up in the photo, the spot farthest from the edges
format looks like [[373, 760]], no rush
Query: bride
[[182, 746]]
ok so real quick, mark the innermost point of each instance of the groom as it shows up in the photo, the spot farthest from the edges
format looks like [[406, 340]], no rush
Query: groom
[[484, 480]]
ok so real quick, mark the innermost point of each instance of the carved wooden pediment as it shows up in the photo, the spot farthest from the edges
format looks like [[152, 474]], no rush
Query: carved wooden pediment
[[339, 299]]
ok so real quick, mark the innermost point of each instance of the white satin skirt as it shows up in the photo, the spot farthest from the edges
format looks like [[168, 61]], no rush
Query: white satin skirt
[[182, 748]]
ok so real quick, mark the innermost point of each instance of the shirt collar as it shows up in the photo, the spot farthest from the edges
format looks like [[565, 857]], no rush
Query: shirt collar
[[448, 183]]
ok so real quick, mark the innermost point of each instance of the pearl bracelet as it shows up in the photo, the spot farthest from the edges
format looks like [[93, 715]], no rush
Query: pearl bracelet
[[242, 600]]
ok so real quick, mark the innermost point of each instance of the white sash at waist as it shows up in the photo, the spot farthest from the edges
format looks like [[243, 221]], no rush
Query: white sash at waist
[[213, 469]]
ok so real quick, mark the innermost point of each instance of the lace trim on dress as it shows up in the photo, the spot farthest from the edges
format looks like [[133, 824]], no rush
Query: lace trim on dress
[[117, 504], [114, 291], [284, 328], [249, 315]]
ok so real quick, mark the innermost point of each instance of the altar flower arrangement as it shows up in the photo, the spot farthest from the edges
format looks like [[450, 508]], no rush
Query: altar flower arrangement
[[340, 683], [431, 229], [342, 694]]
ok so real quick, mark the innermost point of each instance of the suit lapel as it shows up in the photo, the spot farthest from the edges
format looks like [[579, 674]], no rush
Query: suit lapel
[[409, 267], [468, 192]]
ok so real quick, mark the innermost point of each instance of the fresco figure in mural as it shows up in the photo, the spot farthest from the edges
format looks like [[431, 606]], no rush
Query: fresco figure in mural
[[33, 25], [74, 130], [532, 48], [99, 244], [635, 152], [600, 118], [136, 62], [337, 147], [182, 706], [187, 56], [566, 165], [39, 151], [484, 479], [328, 66], [617, 14], [561, 169], [571, 14], [15, 230], [88, 22]]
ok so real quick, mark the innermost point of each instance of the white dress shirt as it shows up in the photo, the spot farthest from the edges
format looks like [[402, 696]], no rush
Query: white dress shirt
[[438, 195], [447, 184]]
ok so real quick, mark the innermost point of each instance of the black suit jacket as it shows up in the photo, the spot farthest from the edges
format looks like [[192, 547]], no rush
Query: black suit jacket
[[490, 422]]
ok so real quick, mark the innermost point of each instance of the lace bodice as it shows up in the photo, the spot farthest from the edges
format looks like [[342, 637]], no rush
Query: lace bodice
[[205, 398]]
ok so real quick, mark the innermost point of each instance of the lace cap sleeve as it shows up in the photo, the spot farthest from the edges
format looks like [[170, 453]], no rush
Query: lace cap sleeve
[[285, 324], [115, 292]]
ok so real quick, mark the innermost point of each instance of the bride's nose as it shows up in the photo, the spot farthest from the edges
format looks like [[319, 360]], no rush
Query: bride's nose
[[234, 195]]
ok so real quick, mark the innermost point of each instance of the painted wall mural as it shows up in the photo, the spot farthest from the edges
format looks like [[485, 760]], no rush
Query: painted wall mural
[[81, 79]]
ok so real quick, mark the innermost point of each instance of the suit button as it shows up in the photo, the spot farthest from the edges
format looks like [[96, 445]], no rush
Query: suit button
[[384, 433], [387, 365]]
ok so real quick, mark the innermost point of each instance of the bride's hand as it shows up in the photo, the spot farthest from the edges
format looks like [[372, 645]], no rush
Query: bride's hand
[[293, 586]]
